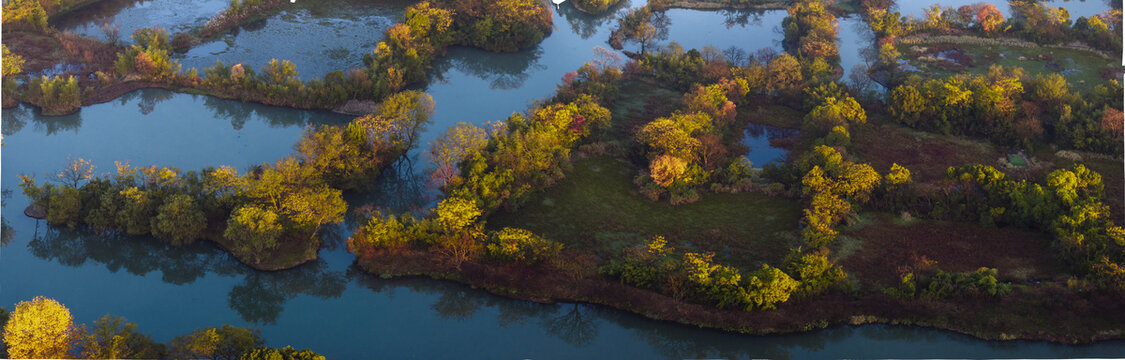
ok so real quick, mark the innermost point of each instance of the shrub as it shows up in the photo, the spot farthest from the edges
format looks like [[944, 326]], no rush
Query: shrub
[[522, 246]]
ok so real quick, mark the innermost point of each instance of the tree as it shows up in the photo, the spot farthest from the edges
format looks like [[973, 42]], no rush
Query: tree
[[253, 229], [112, 337], [833, 112], [522, 246], [456, 144], [40, 328], [218, 343], [78, 171], [898, 175], [180, 220], [769, 287], [665, 169], [644, 26], [989, 17], [313, 207], [399, 121], [906, 104], [675, 135], [454, 214], [13, 63], [286, 353]]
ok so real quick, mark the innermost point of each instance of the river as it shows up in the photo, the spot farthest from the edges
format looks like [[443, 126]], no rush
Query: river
[[329, 305]]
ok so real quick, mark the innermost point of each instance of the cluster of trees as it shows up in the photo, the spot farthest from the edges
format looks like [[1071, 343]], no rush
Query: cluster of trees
[[810, 31], [236, 12], [831, 109], [284, 202], [1068, 205], [595, 6], [941, 285], [150, 58], [1032, 21], [696, 146], [1044, 24], [1006, 102], [600, 78], [402, 58], [12, 65], [695, 277], [27, 15], [482, 170], [500, 25], [982, 17], [766, 72], [56, 95], [44, 328], [833, 186]]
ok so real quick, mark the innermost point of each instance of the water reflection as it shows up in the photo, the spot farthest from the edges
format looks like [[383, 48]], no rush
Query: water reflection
[[259, 298], [767, 143], [14, 119], [503, 71], [576, 326], [53, 125], [587, 25], [7, 232], [147, 102], [400, 188]]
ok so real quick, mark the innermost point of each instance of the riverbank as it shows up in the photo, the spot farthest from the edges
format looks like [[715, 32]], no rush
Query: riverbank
[[1058, 320]]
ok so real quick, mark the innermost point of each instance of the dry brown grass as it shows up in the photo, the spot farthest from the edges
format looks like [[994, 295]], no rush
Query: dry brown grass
[[927, 155], [888, 250]]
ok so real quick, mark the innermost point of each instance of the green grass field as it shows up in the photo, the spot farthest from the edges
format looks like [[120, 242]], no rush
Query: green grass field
[[1081, 69], [598, 208]]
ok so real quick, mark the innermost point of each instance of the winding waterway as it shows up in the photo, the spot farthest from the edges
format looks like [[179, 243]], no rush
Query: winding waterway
[[329, 305]]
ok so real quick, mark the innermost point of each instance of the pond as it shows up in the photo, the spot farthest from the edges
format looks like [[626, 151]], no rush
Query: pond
[[761, 140], [329, 305]]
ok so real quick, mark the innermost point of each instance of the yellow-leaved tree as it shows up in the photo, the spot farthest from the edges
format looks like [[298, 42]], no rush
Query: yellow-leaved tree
[[39, 329]]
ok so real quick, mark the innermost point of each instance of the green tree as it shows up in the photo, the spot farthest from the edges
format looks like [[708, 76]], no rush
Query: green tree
[[179, 220], [112, 337], [906, 104], [286, 353], [770, 286], [65, 207], [521, 246], [13, 63], [454, 214], [460, 142], [217, 343], [311, 208], [254, 229]]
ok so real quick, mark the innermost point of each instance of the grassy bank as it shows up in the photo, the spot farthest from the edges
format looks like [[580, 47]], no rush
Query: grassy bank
[[597, 208]]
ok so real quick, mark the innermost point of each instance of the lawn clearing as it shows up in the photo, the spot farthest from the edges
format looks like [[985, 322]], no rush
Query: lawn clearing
[[597, 208]]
